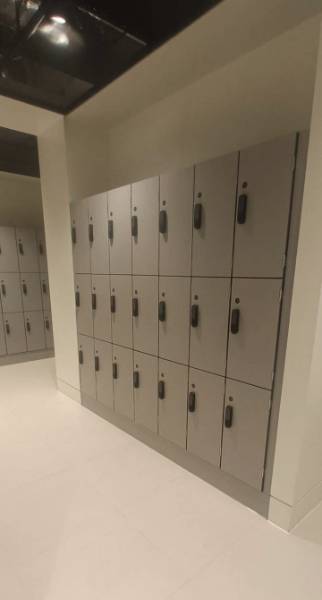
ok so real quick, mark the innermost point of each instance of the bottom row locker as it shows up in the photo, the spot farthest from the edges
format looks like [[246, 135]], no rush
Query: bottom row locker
[[173, 389], [103, 369], [122, 369], [49, 338], [3, 349], [145, 383], [35, 331], [14, 326], [86, 366]]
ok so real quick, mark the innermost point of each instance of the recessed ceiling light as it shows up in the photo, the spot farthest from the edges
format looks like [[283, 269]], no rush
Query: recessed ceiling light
[[58, 19]]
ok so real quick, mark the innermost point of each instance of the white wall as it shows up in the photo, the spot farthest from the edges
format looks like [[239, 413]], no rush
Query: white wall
[[20, 201]]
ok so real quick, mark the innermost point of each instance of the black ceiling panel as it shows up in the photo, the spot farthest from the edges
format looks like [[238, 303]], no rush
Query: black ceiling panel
[[18, 153]]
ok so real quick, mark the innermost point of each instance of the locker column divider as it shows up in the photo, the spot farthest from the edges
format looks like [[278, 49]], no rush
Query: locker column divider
[[190, 290], [156, 308], [132, 294]]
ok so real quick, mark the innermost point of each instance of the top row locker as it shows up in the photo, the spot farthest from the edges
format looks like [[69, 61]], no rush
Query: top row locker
[[22, 249], [8, 251], [89, 235]]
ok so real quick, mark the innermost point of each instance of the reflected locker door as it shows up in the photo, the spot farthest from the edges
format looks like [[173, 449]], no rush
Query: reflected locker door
[[145, 226], [8, 250], [103, 371], [27, 250], [80, 236], [98, 234], [119, 230]]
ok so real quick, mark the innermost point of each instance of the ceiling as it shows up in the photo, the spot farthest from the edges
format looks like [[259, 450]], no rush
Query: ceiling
[[18, 153], [55, 54]]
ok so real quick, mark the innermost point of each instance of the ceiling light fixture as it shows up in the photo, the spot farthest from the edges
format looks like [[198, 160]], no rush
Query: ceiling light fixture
[[58, 19]]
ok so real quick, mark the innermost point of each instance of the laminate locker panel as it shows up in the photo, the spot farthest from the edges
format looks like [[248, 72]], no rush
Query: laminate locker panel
[[245, 432], [213, 216], [253, 330], [83, 300], [264, 195], [103, 352], [14, 326], [35, 330], [27, 250], [10, 292], [122, 370], [44, 285], [101, 305], [145, 383], [121, 309], [119, 230], [205, 414], [145, 314], [173, 390], [42, 250], [3, 348], [31, 291], [49, 338], [98, 234], [176, 200], [209, 318], [80, 237], [86, 366], [174, 304], [145, 226], [8, 250]]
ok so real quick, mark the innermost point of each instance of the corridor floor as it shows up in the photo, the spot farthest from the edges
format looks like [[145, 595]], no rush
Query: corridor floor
[[89, 513]]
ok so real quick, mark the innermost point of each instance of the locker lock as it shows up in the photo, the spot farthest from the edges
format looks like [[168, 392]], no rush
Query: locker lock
[[3, 289], [134, 226], [161, 390], [197, 216], [28, 327], [77, 299], [136, 379], [91, 232], [163, 221], [234, 323], [162, 311], [81, 357], [110, 229], [192, 402], [97, 363], [24, 288], [113, 304], [135, 307], [194, 315], [47, 324], [74, 238], [114, 370], [242, 209], [7, 328], [228, 416]]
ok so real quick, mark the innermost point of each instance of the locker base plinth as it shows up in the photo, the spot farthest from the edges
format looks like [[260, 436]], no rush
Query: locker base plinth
[[11, 359]]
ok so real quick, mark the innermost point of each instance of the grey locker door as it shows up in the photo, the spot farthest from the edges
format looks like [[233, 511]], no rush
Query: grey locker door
[[176, 199], [35, 330], [10, 292], [44, 284], [80, 236], [86, 366], [14, 326], [27, 250], [49, 338], [99, 249], [245, 432], [83, 299], [173, 389], [119, 209], [8, 250], [145, 381], [123, 381], [103, 370], [121, 296], [145, 324], [205, 413], [213, 219], [31, 291], [174, 292], [145, 226], [263, 204], [3, 349], [101, 307], [254, 318], [42, 251], [209, 317]]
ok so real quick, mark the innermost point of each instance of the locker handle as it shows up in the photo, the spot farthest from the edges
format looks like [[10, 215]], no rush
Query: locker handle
[[41, 248], [228, 416], [113, 304], [47, 324], [136, 379], [20, 246], [44, 288], [91, 232], [242, 209], [94, 302], [28, 327], [134, 226], [234, 324], [81, 357], [97, 363], [194, 315], [161, 390], [197, 216], [114, 370], [110, 229], [163, 221], [77, 299], [192, 402], [135, 307], [74, 236], [7, 328], [162, 311], [3, 289], [24, 288]]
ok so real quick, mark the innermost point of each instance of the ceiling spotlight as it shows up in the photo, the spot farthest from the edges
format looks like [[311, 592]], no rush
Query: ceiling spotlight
[[58, 19]]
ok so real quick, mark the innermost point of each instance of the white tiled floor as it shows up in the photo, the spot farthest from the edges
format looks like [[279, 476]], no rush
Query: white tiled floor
[[88, 513]]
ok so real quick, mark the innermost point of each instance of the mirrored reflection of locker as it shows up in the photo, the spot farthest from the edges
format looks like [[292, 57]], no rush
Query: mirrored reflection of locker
[[145, 314], [86, 366], [8, 250], [121, 309], [44, 284], [101, 307], [174, 305], [172, 392], [42, 251], [103, 370], [209, 316], [145, 383], [49, 338], [145, 226], [31, 291], [122, 371], [80, 236], [10, 292], [3, 349], [175, 222], [205, 413], [245, 432], [263, 204], [98, 234], [253, 330], [27, 250], [35, 330], [119, 230], [213, 216], [14, 327], [83, 300]]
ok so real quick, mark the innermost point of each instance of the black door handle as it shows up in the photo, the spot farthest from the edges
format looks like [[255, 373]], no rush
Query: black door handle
[[234, 323], [7, 328], [91, 232], [20, 246], [41, 248], [197, 216], [94, 302], [135, 307], [163, 221], [74, 236], [114, 370], [194, 315], [242, 209], [24, 288], [134, 226], [113, 304], [44, 288], [110, 229], [162, 311], [161, 390], [192, 402], [77, 299], [136, 379], [97, 363], [47, 324], [28, 327], [228, 417], [3, 289], [80, 357]]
